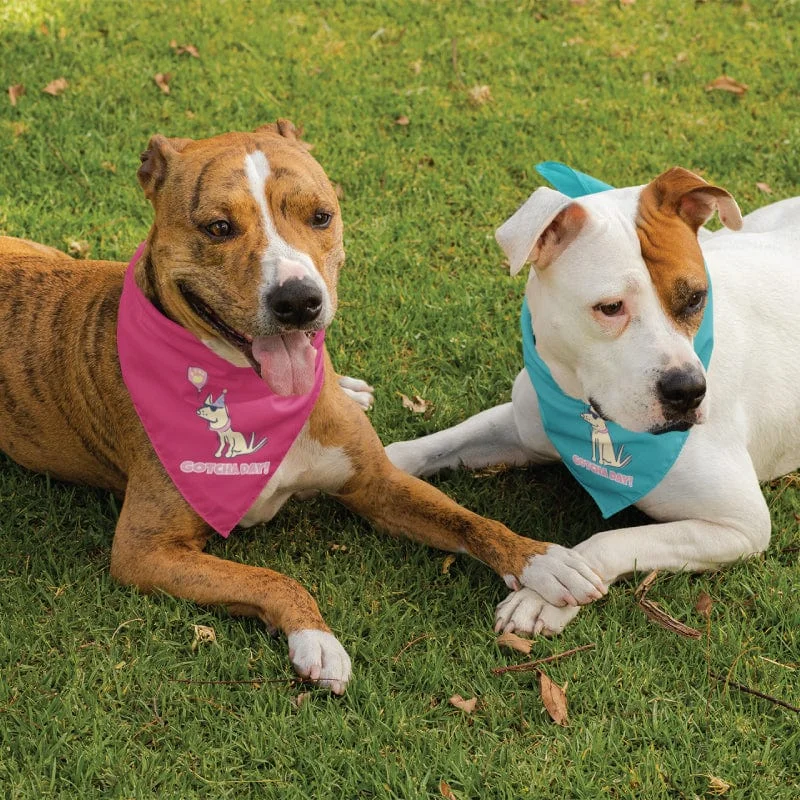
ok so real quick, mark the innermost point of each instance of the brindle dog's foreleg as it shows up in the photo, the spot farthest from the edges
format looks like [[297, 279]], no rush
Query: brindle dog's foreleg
[[158, 545], [399, 503]]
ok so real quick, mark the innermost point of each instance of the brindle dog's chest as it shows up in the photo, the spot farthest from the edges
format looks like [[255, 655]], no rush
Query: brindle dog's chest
[[309, 465]]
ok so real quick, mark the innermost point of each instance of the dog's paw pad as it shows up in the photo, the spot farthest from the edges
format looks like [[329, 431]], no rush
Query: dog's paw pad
[[563, 577], [317, 656], [358, 390], [526, 611]]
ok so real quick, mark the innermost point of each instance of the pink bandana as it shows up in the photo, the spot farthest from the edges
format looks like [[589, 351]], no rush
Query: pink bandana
[[219, 430]]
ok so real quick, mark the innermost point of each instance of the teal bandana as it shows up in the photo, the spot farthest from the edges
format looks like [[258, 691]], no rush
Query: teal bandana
[[616, 466]]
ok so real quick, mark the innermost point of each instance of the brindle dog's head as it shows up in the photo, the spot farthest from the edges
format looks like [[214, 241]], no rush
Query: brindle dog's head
[[245, 248]]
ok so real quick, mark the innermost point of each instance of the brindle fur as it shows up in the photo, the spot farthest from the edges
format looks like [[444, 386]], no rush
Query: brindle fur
[[65, 410]]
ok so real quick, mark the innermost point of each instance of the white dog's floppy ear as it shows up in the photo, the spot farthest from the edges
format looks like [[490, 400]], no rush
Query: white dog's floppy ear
[[540, 229], [695, 200]]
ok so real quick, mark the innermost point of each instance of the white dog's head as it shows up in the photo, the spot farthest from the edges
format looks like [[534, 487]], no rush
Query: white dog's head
[[617, 294]]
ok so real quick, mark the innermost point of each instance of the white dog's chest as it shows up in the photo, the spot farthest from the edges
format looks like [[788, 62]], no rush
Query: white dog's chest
[[309, 465]]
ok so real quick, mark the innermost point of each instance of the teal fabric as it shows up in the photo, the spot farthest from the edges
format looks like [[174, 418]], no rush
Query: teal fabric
[[616, 466]]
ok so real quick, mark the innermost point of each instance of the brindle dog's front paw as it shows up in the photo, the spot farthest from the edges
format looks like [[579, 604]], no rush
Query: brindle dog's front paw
[[526, 611], [358, 390], [317, 656], [562, 577]]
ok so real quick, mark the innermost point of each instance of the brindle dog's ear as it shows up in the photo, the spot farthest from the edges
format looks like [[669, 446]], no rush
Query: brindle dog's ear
[[287, 129], [153, 171]]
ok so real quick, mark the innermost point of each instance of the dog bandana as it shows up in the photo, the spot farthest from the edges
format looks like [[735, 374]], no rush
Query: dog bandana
[[616, 466], [219, 430]]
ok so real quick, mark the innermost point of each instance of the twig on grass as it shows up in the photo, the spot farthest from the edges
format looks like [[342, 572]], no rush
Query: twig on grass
[[251, 681], [747, 690], [411, 644], [528, 666]]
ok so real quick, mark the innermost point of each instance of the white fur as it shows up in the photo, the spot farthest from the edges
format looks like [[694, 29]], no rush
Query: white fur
[[318, 656], [358, 390], [709, 509], [280, 261]]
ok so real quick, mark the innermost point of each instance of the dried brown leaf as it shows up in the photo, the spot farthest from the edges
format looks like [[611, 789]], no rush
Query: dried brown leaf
[[15, 92], [416, 66], [56, 87], [467, 706], [416, 404], [765, 187], [480, 95], [626, 2], [554, 698], [162, 80], [447, 563], [656, 614], [622, 50], [301, 698], [402, 120], [514, 642], [203, 634], [704, 605], [724, 83], [717, 785], [180, 49], [338, 547], [446, 791]]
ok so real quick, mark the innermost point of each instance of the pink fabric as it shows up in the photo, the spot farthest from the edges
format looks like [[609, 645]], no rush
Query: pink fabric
[[219, 431]]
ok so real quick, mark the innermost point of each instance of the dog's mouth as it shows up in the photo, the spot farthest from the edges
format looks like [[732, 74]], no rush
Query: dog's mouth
[[285, 362]]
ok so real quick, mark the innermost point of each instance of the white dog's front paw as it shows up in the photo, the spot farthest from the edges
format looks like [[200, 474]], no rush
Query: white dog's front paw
[[317, 656], [526, 611], [563, 577], [406, 456], [358, 390]]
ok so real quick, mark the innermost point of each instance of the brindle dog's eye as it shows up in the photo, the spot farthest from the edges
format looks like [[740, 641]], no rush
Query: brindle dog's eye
[[219, 229], [321, 219]]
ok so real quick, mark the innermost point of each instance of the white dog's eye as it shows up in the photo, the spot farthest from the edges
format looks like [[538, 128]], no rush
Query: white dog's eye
[[610, 309]]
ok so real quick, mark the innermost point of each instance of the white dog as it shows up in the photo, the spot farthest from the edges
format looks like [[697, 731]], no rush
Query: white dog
[[617, 293]]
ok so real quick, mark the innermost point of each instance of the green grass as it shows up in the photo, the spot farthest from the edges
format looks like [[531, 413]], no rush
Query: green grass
[[101, 694]]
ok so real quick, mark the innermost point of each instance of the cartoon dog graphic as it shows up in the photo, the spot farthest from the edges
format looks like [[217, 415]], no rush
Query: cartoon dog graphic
[[602, 446], [219, 421]]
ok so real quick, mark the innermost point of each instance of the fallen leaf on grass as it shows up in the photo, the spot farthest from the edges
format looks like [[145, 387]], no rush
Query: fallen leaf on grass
[[15, 92], [626, 2], [717, 785], [622, 50], [180, 49], [402, 120], [416, 404], [704, 605], [467, 706], [162, 80], [514, 642], [479, 95], [55, 87], [299, 699], [765, 187], [446, 791], [727, 84], [554, 698], [656, 614], [203, 634], [78, 248], [447, 563]]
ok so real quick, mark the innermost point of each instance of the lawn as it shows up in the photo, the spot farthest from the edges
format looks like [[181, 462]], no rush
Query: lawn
[[430, 117]]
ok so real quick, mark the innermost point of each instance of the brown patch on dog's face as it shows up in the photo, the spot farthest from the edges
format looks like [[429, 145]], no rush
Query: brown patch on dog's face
[[203, 265], [671, 209]]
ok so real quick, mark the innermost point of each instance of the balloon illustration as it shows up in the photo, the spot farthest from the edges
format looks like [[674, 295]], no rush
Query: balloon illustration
[[197, 377]]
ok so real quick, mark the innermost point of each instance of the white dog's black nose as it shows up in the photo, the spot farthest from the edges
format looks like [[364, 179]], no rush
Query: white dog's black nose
[[295, 302], [681, 390]]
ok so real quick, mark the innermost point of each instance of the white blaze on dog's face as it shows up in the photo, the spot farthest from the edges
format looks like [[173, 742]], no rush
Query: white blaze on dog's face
[[617, 294], [246, 247]]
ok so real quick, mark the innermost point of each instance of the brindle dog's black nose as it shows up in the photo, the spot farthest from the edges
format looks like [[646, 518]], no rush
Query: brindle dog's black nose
[[296, 301], [681, 390]]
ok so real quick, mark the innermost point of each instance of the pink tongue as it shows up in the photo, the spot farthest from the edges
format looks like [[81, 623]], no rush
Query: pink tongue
[[287, 362]]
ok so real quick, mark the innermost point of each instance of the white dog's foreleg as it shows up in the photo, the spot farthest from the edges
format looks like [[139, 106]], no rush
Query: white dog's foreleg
[[486, 439]]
